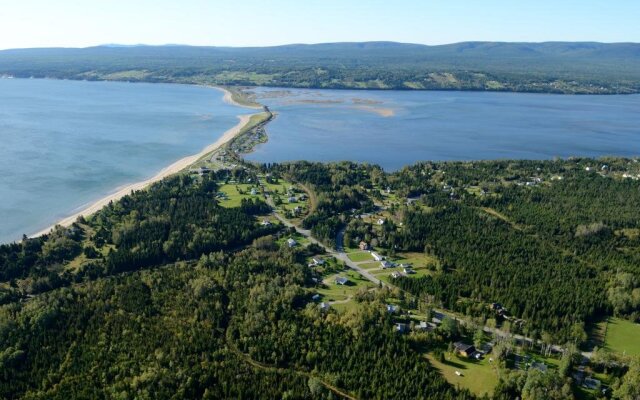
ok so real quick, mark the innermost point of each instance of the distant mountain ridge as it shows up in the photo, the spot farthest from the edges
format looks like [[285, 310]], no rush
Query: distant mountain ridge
[[494, 65]]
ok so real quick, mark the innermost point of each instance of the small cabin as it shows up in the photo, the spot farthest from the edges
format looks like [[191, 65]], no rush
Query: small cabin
[[465, 350]]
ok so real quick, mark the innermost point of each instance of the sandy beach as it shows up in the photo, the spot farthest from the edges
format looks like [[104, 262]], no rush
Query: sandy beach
[[170, 170]]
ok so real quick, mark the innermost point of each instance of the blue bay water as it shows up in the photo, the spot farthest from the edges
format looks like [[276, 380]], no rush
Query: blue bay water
[[334, 125], [65, 144]]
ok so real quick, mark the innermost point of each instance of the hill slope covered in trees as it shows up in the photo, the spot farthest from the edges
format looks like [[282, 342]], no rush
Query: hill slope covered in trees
[[554, 67]]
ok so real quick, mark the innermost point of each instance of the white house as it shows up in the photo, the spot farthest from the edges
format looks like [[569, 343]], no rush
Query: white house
[[318, 261], [324, 306], [341, 280], [265, 222], [291, 242], [376, 256], [381, 221], [315, 297], [386, 264], [395, 274], [254, 191], [392, 309]]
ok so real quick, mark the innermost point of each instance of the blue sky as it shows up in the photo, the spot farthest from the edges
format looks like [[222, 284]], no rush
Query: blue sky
[[79, 23]]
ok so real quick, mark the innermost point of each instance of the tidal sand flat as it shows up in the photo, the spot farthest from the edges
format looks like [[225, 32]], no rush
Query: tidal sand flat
[[68, 144], [396, 128]]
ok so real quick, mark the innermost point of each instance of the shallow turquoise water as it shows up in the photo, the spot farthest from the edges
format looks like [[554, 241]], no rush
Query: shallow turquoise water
[[64, 144], [334, 125]]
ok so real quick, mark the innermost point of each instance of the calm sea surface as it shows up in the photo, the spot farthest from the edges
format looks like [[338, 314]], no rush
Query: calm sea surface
[[397, 128], [64, 144]]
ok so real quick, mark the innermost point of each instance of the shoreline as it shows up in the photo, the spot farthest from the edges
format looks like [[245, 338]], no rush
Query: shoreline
[[171, 169]]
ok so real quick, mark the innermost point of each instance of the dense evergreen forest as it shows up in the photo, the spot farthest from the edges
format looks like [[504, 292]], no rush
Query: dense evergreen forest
[[556, 67], [168, 294], [555, 242]]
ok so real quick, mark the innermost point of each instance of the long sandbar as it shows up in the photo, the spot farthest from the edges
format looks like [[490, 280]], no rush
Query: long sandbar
[[168, 171]]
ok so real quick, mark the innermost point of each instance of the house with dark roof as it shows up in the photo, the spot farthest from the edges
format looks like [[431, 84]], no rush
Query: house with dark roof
[[465, 350]]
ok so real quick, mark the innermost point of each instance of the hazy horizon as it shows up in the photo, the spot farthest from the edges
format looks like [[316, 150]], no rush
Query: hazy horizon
[[70, 23], [305, 44]]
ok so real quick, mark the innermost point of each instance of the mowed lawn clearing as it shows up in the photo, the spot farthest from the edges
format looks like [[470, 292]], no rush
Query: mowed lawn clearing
[[360, 256], [480, 377], [335, 292], [371, 266], [233, 197], [623, 337], [417, 260]]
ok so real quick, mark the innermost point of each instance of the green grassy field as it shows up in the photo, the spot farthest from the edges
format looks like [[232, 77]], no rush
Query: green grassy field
[[372, 265], [479, 377], [360, 256], [277, 188], [234, 197], [385, 275], [623, 337], [418, 261], [302, 241], [334, 292]]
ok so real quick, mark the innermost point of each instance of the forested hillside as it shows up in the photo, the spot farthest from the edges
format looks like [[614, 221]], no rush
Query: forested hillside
[[180, 292], [554, 67], [103, 310]]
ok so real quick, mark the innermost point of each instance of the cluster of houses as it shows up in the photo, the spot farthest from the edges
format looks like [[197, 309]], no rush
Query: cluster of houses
[[631, 176], [533, 181], [406, 270], [423, 326], [385, 264], [293, 197], [401, 327]]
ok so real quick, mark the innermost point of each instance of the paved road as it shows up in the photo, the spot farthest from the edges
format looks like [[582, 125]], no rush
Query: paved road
[[340, 255]]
